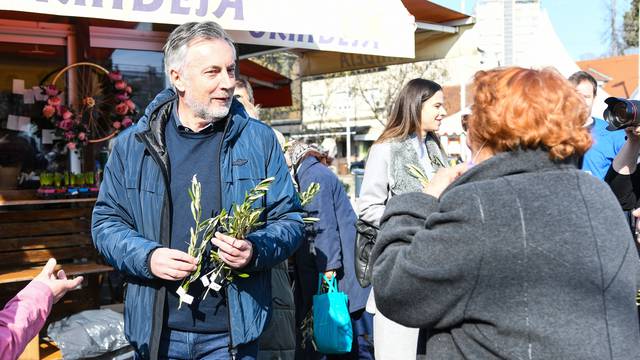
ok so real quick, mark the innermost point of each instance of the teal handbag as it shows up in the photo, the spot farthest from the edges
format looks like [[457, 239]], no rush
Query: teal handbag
[[332, 330]]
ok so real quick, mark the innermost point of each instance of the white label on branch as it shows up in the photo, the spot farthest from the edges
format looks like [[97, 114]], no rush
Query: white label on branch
[[214, 285], [184, 297], [205, 281]]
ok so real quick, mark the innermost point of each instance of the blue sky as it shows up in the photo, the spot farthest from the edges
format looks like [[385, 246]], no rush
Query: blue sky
[[580, 24]]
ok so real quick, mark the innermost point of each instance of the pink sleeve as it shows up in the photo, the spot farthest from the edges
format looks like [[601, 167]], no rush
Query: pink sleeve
[[23, 317]]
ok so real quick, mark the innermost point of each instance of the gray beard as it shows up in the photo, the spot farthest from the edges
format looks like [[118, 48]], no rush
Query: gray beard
[[202, 111]]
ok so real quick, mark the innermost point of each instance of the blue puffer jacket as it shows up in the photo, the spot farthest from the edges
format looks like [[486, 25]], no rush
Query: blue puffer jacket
[[132, 218]]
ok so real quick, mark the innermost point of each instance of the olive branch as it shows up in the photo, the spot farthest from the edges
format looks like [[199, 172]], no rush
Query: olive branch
[[237, 224], [417, 173], [306, 197]]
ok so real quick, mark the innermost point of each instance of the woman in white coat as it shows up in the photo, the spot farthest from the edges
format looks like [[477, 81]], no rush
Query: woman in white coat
[[409, 138]]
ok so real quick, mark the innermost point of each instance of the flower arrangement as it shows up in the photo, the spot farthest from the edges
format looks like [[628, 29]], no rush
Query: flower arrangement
[[70, 125], [124, 108]]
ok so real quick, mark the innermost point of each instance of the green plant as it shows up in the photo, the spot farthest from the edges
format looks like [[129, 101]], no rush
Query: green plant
[[306, 197], [238, 224], [417, 173], [196, 247]]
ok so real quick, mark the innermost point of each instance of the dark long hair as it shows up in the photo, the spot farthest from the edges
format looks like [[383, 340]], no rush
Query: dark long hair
[[404, 119]]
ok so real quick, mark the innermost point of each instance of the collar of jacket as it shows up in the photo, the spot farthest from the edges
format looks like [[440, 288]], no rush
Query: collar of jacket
[[511, 163], [151, 126]]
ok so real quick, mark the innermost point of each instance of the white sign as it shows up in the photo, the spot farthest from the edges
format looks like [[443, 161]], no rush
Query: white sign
[[376, 27]]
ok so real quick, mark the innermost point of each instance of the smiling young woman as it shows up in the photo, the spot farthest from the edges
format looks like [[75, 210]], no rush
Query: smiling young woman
[[409, 138]]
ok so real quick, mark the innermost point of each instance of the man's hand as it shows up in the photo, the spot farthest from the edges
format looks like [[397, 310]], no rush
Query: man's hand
[[234, 252], [171, 264], [633, 133], [443, 178], [58, 283]]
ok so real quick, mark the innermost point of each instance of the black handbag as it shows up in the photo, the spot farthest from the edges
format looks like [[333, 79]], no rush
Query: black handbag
[[366, 234]]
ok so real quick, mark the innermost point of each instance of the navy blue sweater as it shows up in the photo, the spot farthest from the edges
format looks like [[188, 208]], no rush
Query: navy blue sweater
[[194, 153]]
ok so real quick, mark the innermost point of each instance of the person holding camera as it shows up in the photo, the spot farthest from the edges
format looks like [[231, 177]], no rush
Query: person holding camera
[[606, 143], [623, 178]]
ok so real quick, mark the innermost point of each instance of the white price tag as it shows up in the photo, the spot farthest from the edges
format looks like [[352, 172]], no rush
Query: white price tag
[[214, 285], [184, 297]]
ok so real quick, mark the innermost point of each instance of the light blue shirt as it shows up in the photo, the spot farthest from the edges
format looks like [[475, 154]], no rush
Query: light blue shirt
[[606, 144]]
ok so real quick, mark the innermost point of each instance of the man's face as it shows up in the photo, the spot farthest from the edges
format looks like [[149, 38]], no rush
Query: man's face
[[207, 78], [586, 90]]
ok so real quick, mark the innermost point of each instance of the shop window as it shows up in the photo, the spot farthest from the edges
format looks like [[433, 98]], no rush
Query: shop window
[[23, 67]]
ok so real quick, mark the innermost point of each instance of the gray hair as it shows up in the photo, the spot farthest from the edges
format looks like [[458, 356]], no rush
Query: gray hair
[[175, 50]]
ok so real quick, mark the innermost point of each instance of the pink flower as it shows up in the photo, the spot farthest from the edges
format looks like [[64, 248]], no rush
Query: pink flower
[[66, 124], [69, 135], [71, 145], [126, 122], [51, 90], [129, 90], [120, 85], [54, 101], [122, 109], [117, 124], [48, 111], [130, 104], [115, 76], [67, 114], [82, 136], [122, 96]]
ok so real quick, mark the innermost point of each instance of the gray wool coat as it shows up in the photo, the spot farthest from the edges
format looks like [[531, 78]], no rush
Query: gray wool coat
[[521, 258]]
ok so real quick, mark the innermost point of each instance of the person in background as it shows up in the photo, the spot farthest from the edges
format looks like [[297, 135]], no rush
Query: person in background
[[624, 179], [278, 341], [25, 314], [244, 93], [408, 138], [522, 255], [606, 144], [328, 249], [142, 217]]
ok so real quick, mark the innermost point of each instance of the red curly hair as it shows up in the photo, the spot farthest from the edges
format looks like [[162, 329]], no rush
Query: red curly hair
[[516, 108]]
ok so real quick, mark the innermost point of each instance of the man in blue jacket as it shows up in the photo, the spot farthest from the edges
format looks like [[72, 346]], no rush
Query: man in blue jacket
[[606, 144], [142, 217]]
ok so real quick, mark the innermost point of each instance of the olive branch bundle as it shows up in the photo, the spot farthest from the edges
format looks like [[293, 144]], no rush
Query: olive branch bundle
[[237, 224]]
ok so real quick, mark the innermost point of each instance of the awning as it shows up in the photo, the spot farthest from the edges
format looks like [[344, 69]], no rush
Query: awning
[[270, 89], [380, 27], [438, 30]]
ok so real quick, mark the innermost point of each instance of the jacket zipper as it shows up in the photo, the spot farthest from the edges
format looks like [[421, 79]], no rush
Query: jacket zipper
[[232, 349], [161, 292]]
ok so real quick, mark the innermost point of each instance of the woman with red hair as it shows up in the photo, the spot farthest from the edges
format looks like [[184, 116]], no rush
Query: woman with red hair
[[522, 255]]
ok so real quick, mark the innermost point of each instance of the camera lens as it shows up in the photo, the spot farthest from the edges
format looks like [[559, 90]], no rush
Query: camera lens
[[620, 110]]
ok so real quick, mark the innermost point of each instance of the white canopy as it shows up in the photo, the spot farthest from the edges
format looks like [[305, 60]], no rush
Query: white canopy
[[374, 27]]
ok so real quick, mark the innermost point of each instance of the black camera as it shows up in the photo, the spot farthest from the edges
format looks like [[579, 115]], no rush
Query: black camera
[[622, 113]]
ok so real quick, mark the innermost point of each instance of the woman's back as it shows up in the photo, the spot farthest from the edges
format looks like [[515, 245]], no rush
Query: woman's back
[[524, 258], [560, 269]]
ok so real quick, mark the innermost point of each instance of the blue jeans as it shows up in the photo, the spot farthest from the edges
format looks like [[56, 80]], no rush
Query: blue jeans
[[175, 344]]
